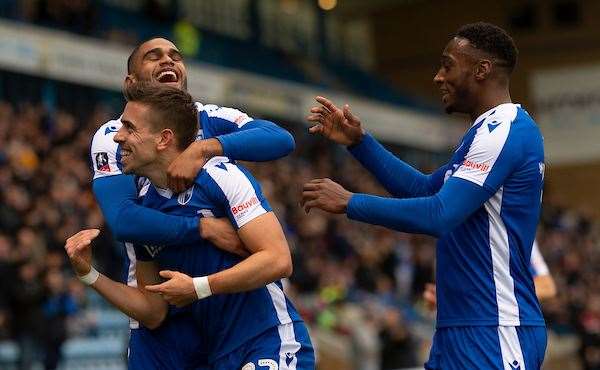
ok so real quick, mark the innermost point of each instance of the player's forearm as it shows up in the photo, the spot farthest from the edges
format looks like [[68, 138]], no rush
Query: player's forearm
[[257, 141], [435, 215], [131, 222], [256, 271], [398, 177], [545, 288], [131, 302]]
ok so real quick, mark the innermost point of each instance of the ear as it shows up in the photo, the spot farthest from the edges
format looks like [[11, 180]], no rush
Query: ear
[[129, 80], [482, 69], [165, 139]]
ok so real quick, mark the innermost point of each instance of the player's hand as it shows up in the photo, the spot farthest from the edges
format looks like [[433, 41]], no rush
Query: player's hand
[[79, 250], [222, 234], [338, 125], [429, 296], [326, 195], [178, 290], [184, 169]]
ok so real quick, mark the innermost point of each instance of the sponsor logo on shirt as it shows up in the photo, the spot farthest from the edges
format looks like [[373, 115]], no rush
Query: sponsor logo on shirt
[[483, 167], [102, 162], [242, 207]]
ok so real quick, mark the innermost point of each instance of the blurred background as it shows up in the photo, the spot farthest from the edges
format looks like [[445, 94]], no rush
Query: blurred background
[[62, 64]]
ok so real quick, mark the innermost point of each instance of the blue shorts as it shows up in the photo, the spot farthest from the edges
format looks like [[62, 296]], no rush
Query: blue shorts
[[175, 345], [285, 347], [488, 347]]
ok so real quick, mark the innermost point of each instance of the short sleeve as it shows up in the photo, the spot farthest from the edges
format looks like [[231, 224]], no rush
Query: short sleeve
[[491, 156], [222, 120], [234, 188], [104, 151]]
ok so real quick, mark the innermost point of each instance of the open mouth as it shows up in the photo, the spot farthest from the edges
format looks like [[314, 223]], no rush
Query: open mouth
[[166, 76]]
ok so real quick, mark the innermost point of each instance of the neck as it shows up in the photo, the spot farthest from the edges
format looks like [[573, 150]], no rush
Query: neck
[[490, 98], [157, 171]]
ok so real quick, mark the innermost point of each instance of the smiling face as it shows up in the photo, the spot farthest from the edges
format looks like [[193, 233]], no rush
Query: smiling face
[[455, 77], [137, 139], [159, 60]]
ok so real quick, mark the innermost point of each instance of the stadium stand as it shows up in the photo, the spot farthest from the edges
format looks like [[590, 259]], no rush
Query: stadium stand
[[359, 287]]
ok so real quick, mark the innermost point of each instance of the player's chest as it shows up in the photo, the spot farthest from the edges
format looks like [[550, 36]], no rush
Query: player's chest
[[192, 202]]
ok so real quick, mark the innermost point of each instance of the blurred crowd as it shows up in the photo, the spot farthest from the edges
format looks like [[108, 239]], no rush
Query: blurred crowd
[[360, 283]]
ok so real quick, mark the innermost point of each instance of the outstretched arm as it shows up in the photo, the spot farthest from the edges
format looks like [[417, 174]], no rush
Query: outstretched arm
[[398, 177], [434, 215]]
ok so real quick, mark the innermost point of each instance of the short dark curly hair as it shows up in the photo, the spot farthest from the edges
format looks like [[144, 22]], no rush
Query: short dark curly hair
[[493, 40]]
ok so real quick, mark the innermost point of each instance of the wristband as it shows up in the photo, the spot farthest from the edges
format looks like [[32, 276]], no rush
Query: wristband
[[91, 277], [202, 287]]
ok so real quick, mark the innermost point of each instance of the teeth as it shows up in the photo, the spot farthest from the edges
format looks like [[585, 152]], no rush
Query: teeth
[[169, 73]]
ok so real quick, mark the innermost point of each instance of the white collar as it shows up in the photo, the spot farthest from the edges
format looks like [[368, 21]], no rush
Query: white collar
[[166, 193], [487, 113]]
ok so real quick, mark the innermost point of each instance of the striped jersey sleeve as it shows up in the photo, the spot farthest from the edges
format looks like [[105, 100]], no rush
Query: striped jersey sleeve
[[233, 187]]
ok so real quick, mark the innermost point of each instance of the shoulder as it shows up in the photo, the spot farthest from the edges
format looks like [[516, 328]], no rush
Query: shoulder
[[219, 174], [104, 150], [497, 129], [226, 113], [104, 135]]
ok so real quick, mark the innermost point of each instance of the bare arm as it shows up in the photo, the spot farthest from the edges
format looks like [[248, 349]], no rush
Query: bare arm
[[148, 308], [545, 288], [270, 260]]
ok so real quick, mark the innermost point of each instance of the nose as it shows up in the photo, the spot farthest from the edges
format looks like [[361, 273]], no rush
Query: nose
[[166, 59], [438, 79], [119, 136]]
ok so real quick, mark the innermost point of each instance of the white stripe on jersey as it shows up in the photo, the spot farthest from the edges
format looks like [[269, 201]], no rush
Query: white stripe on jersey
[[279, 303], [131, 279], [243, 201], [289, 346], [486, 146], [229, 114], [508, 309], [540, 268], [512, 355]]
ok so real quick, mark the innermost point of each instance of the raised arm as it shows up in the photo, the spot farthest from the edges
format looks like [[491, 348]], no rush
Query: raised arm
[[138, 303], [396, 176], [231, 133]]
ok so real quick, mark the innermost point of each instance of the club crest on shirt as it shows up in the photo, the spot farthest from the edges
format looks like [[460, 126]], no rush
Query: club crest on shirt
[[186, 196]]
